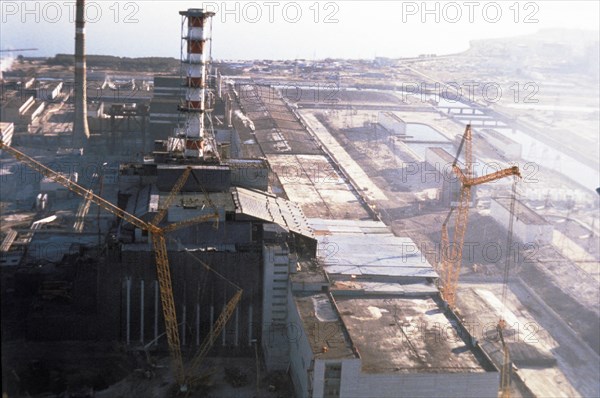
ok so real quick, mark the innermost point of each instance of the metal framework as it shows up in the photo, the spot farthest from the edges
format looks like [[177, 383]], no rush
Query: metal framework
[[451, 254]]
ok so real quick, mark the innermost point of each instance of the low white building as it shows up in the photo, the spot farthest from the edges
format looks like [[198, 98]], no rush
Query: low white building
[[392, 123], [528, 226], [439, 160], [382, 346], [6, 133], [507, 147], [367, 321]]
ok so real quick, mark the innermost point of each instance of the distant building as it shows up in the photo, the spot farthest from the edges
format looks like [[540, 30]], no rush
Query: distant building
[[164, 115], [19, 109], [528, 227], [440, 160], [48, 90], [507, 147], [6, 131], [384, 61], [392, 123], [371, 324]]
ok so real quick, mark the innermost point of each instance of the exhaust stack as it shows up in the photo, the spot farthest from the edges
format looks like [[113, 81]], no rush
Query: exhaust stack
[[198, 142], [81, 131]]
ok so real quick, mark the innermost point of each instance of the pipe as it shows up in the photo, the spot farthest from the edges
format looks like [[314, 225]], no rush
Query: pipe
[[212, 317], [223, 331], [184, 325], [81, 131], [197, 324], [250, 325], [237, 316], [156, 312], [128, 310], [197, 33], [142, 311]]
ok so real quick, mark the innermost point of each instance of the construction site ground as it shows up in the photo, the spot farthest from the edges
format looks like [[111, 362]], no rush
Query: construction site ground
[[540, 335], [550, 290], [78, 367]]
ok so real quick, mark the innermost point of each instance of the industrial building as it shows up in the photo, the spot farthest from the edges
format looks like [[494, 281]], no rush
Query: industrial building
[[438, 160], [392, 123], [7, 130], [507, 147], [379, 330], [213, 226], [529, 227]]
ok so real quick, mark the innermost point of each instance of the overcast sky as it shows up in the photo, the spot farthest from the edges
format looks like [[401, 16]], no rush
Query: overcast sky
[[287, 29]]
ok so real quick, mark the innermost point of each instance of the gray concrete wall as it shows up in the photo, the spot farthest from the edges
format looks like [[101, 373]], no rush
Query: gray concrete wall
[[416, 385], [192, 285], [526, 233], [356, 384], [275, 342], [301, 355]]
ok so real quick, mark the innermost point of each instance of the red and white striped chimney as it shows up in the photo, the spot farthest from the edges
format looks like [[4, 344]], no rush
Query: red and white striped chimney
[[195, 38]]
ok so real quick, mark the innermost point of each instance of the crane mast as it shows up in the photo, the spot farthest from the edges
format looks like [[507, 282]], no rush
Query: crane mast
[[451, 254], [505, 370]]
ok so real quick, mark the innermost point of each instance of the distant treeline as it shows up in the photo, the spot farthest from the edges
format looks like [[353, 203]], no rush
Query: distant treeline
[[120, 63]]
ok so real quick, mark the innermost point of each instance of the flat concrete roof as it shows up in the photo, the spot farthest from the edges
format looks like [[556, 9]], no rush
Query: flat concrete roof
[[357, 287], [222, 200], [522, 212], [368, 249], [323, 327], [394, 116], [406, 335], [442, 153], [493, 133], [313, 183]]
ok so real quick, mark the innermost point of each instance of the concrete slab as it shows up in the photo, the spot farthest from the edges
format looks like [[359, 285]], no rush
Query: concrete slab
[[405, 335]]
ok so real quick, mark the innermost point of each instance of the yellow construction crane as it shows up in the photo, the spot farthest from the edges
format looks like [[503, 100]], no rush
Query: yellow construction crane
[[192, 376], [506, 368], [162, 260], [451, 255]]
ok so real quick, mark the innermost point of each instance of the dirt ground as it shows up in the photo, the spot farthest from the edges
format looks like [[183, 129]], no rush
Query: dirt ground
[[107, 370]]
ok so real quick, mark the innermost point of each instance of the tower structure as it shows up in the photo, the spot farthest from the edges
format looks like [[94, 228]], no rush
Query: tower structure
[[81, 131], [192, 139]]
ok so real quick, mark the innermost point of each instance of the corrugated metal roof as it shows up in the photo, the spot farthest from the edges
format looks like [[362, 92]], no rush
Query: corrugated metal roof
[[272, 209]]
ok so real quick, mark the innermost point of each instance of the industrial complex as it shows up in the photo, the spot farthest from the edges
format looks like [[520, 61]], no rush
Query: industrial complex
[[290, 228]]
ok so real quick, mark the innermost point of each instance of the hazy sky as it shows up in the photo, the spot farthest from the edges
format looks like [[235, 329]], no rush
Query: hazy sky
[[287, 29]]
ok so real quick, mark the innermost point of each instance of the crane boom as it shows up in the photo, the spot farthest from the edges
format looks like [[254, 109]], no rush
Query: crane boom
[[191, 221], [176, 188], [444, 246], [8, 50], [511, 171], [505, 371], [452, 254], [168, 303], [209, 340]]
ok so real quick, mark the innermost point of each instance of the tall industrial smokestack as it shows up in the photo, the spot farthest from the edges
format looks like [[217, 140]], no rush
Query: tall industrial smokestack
[[81, 131], [198, 144]]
